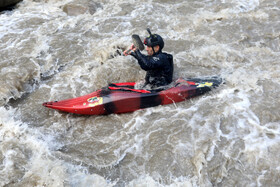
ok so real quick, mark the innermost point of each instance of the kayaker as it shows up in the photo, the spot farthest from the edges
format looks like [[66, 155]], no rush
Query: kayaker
[[159, 65]]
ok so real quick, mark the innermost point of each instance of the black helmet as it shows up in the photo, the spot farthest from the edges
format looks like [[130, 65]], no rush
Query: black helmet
[[154, 40]]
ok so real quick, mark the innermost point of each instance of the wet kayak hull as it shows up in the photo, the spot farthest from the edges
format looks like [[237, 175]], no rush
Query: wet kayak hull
[[123, 98]]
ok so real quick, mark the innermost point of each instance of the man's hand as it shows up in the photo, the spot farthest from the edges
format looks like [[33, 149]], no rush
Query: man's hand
[[128, 52], [133, 48]]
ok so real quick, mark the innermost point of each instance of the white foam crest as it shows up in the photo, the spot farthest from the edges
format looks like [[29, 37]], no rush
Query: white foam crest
[[248, 126], [46, 6], [133, 128], [246, 5], [258, 140], [220, 55], [146, 180], [241, 82], [83, 179], [243, 9], [9, 130], [40, 165]]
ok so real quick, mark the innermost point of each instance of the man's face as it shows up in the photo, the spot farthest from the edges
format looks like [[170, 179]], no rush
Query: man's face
[[150, 50]]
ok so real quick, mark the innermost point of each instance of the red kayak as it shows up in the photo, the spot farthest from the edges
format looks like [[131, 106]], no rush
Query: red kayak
[[122, 97]]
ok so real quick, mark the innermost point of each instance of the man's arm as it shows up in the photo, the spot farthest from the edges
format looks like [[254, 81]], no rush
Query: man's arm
[[146, 62]]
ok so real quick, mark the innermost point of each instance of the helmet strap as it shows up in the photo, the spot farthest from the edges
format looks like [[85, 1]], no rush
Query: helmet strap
[[154, 50]]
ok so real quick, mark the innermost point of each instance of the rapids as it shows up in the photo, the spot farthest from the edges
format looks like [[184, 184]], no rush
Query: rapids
[[59, 49]]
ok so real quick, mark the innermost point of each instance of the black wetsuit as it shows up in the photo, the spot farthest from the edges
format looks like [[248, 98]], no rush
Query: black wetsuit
[[159, 68]]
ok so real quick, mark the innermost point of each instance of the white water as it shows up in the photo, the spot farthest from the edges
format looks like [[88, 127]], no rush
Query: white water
[[229, 137]]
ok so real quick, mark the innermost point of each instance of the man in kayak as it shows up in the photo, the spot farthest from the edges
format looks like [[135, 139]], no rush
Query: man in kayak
[[159, 65]]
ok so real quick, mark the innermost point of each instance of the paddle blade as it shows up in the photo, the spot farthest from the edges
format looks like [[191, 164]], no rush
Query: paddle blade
[[137, 42]]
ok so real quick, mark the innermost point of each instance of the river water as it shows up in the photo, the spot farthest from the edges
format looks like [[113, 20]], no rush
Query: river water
[[229, 137]]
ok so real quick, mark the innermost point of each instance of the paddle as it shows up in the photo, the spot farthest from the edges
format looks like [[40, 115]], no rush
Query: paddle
[[137, 42]]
